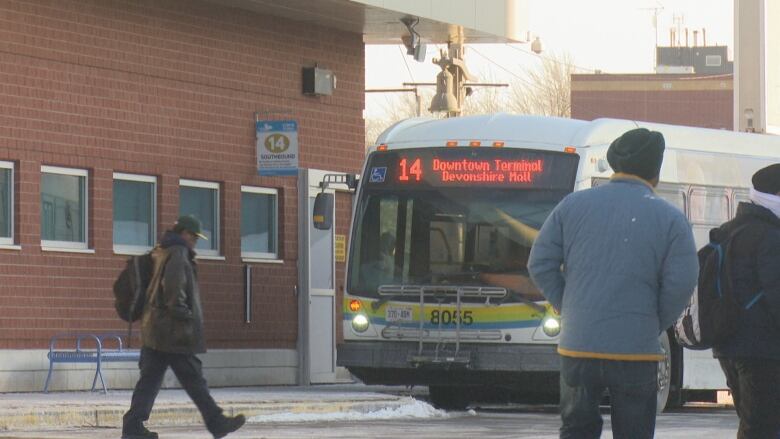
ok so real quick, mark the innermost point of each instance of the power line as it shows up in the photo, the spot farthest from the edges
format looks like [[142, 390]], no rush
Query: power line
[[408, 69], [525, 81], [555, 60]]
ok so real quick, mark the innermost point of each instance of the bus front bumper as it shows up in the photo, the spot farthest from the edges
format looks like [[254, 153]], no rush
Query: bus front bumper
[[396, 363]]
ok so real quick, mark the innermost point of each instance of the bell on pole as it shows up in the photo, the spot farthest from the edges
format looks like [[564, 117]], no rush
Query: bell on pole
[[445, 99]]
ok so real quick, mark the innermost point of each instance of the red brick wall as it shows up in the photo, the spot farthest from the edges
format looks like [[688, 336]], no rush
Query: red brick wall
[[702, 101], [167, 88], [344, 204]]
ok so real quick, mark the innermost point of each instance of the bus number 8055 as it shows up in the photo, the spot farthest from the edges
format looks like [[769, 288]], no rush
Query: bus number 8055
[[446, 317]]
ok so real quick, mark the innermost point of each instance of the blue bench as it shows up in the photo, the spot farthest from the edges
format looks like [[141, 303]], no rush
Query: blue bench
[[88, 348]]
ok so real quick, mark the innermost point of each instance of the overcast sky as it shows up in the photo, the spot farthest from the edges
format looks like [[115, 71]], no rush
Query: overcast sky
[[615, 36]]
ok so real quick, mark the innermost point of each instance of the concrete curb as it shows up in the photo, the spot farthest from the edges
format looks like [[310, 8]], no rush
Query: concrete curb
[[60, 417]]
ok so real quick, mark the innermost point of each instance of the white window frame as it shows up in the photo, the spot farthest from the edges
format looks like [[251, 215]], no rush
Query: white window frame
[[183, 182], [47, 245], [9, 241], [261, 256], [136, 249]]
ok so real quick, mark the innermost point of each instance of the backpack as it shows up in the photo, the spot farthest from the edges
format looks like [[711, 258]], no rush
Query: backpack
[[131, 285], [713, 314]]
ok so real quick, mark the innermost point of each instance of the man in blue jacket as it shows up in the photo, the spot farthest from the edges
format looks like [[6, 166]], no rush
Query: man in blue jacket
[[751, 357], [619, 264]]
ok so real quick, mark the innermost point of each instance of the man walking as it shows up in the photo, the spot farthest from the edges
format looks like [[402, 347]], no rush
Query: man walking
[[751, 357], [619, 264], [172, 333]]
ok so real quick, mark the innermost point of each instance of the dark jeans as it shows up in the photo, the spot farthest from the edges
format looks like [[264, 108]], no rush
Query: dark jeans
[[188, 370], [632, 389], [755, 386]]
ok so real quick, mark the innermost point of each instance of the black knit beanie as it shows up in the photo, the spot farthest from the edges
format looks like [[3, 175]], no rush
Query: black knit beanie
[[638, 152], [767, 180]]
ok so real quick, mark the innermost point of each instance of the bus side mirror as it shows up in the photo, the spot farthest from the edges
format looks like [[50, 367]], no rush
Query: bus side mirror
[[323, 211]]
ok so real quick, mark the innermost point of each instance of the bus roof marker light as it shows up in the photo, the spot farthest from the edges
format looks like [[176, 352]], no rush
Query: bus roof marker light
[[382, 147], [570, 149], [452, 143], [498, 144], [475, 143]]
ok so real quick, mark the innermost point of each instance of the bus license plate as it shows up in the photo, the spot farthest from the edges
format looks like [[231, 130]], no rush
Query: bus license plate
[[398, 314]]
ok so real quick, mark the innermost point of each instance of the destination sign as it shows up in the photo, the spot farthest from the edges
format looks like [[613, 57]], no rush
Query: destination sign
[[474, 167], [473, 171]]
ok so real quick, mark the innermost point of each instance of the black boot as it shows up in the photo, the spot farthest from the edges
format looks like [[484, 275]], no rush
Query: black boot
[[226, 425], [138, 432]]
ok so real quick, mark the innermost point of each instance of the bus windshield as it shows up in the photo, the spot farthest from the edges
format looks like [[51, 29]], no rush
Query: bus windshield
[[433, 234]]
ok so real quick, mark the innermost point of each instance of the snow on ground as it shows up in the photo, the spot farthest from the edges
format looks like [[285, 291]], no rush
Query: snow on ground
[[411, 408]]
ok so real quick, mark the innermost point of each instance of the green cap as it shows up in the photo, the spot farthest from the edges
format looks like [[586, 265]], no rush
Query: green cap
[[190, 224]]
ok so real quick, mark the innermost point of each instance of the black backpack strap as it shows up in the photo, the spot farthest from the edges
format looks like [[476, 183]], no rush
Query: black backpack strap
[[158, 273], [129, 334], [720, 241], [136, 297]]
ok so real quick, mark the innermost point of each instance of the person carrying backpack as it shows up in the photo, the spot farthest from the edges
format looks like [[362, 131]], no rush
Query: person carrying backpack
[[172, 335], [750, 358]]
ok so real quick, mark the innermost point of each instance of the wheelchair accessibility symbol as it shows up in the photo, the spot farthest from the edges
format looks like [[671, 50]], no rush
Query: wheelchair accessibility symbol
[[378, 175]]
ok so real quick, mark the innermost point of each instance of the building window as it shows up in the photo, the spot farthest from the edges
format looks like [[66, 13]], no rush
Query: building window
[[713, 60], [201, 200], [63, 207], [258, 222], [135, 210], [6, 203]]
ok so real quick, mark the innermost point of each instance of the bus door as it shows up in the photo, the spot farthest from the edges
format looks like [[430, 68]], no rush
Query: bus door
[[317, 292]]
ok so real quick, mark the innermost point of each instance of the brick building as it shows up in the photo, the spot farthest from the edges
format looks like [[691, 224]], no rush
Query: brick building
[[117, 116], [681, 99]]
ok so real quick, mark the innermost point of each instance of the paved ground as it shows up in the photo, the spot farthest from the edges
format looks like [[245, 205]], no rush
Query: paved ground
[[327, 412], [19, 411], [525, 422]]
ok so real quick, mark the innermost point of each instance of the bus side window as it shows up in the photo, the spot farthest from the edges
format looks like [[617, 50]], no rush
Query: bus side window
[[673, 194], [740, 196], [709, 207]]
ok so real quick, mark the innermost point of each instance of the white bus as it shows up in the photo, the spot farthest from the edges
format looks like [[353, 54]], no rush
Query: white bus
[[437, 291]]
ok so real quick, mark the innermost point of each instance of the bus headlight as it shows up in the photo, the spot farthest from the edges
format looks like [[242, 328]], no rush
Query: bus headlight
[[360, 323], [551, 326]]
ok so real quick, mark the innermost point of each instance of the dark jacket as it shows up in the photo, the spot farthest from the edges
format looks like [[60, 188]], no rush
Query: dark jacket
[[173, 318], [753, 261]]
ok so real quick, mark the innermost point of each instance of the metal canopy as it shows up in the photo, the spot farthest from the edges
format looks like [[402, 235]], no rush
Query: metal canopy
[[377, 25]]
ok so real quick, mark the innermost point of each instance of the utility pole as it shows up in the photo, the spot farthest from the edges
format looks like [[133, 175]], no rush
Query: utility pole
[[656, 12], [450, 88]]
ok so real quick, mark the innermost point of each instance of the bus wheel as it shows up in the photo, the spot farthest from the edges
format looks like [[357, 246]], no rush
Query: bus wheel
[[448, 397], [668, 374]]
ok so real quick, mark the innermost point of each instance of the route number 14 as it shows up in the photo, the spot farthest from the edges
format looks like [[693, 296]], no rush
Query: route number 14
[[414, 170]]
